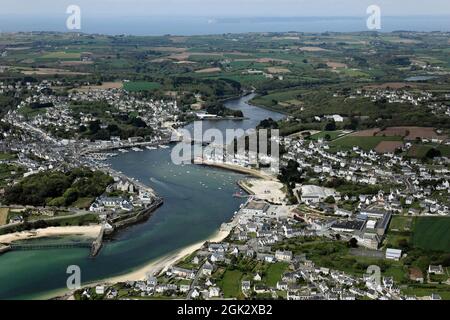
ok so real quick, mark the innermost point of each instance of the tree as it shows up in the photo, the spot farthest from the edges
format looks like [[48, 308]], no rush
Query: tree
[[433, 153], [403, 244], [94, 127], [268, 124], [330, 200], [353, 243], [330, 126]]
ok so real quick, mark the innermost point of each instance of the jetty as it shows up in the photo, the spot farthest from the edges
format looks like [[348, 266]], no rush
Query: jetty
[[4, 248], [98, 242]]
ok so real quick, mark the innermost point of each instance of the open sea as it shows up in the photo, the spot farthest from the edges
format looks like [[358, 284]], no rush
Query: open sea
[[148, 25]]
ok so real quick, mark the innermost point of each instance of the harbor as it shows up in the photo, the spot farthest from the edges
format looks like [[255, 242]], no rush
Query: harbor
[[200, 197]]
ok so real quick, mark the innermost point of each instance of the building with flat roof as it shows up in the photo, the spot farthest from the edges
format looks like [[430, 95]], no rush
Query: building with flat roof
[[316, 194], [348, 226], [256, 207], [393, 254]]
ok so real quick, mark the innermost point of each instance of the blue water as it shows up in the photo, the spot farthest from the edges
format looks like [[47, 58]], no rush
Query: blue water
[[148, 25], [197, 200], [254, 115]]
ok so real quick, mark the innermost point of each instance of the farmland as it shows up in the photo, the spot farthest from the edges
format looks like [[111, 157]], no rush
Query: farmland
[[135, 86], [365, 143], [324, 134], [432, 233], [60, 55]]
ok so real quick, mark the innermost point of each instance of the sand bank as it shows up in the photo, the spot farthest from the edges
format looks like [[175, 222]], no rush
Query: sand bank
[[86, 231], [162, 264]]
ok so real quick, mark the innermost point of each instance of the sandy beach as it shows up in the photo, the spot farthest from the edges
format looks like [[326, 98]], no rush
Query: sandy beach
[[162, 264], [154, 267], [85, 231]]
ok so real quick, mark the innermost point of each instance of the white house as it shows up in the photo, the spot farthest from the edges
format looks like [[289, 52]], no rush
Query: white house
[[393, 254]]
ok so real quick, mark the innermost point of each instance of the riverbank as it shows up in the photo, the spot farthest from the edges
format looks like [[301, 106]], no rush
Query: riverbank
[[251, 103], [85, 231], [154, 267], [162, 264]]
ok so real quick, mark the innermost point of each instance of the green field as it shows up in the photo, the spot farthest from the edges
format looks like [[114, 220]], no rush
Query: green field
[[427, 290], [401, 223], [231, 283], [418, 151], [365, 143], [445, 150], [61, 55], [274, 273], [7, 156], [83, 203], [432, 233], [333, 135], [135, 86]]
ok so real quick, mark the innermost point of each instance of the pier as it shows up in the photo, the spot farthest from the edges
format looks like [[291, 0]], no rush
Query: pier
[[97, 243]]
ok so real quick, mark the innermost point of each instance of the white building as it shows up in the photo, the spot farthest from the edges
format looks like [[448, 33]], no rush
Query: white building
[[393, 254]]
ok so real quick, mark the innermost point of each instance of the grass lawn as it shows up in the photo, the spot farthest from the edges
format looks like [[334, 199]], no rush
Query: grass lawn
[[445, 150], [432, 233], [365, 143], [231, 283], [140, 86], [30, 112], [274, 273], [7, 156], [427, 289], [418, 151], [400, 229], [61, 55], [398, 272], [333, 135], [401, 223], [71, 220], [83, 203]]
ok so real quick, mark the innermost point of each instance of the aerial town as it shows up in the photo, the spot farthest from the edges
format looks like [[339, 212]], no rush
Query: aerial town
[[345, 196]]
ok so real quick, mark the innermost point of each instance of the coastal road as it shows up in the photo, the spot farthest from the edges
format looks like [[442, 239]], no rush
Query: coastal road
[[194, 283]]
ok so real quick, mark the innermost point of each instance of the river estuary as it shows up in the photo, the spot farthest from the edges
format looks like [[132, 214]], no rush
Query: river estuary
[[197, 200]]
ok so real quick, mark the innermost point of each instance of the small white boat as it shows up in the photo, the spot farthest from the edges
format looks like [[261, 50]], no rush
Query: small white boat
[[137, 149], [150, 148]]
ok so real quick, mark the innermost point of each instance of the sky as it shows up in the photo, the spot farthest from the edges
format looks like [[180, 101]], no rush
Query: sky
[[224, 8]]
